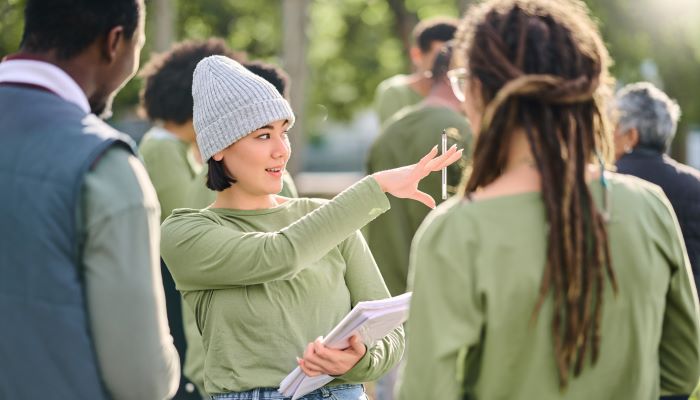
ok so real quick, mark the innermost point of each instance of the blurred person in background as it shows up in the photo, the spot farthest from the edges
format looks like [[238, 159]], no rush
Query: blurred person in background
[[410, 133], [172, 159], [400, 91], [81, 295], [265, 274], [407, 135], [551, 278], [646, 124]]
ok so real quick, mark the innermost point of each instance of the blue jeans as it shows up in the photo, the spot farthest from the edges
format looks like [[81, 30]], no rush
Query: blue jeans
[[338, 392]]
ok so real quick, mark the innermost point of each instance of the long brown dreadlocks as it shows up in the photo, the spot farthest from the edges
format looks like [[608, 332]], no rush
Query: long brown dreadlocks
[[542, 67]]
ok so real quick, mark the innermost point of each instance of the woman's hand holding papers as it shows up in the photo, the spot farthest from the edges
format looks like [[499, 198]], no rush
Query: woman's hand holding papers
[[319, 359]]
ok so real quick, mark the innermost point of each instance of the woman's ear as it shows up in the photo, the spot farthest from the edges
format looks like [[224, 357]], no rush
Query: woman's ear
[[218, 156]]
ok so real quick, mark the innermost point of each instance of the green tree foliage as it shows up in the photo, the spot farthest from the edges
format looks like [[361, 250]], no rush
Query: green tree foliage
[[11, 25], [354, 44], [665, 33]]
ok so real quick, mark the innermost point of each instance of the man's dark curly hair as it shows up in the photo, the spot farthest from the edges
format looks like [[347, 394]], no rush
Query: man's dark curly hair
[[166, 94]]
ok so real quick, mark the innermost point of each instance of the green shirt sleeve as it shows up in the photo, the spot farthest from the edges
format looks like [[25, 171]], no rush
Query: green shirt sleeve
[[679, 351], [125, 299], [223, 257], [441, 329], [170, 171], [365, 283]]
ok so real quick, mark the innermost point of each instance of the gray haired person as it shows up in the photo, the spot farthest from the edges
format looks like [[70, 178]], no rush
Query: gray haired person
[[647, 121]]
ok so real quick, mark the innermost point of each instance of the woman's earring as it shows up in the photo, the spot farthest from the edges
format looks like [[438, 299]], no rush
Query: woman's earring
[[628, 149]]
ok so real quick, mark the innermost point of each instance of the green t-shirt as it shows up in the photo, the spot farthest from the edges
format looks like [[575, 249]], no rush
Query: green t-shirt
[[476, 272], [392, 95], [408, 136], [198, 197], [264, 283]]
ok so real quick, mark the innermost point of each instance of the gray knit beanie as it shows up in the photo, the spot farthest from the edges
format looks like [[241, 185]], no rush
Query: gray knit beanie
[[230, 102]]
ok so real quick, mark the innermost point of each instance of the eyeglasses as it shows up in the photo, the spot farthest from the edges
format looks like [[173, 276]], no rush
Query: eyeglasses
[[458, 81]]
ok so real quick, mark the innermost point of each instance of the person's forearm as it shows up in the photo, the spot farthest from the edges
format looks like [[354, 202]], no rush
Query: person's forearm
[[125, 299], [233, 258], [124, 290]]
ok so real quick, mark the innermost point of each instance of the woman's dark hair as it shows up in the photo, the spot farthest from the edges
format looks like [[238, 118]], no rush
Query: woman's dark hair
[[442, 62], [166, 94], [438, 29], [70, 26], [543, 68], [217, 177]]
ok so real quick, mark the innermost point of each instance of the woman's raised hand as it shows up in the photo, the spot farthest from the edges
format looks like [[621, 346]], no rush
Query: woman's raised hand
[[403, 182]]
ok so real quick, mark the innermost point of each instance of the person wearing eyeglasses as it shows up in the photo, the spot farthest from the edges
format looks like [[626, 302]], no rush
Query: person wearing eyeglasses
[[413, 131], [550, 277]]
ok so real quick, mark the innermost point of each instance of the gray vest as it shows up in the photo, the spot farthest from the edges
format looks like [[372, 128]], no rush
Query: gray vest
[[46, 147]]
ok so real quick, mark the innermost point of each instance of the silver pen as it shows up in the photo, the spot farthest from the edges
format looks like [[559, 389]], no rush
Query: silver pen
[[444, 169]]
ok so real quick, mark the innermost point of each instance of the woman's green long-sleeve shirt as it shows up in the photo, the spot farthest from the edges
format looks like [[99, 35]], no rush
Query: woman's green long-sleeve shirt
[[476, 272], [264, 283]]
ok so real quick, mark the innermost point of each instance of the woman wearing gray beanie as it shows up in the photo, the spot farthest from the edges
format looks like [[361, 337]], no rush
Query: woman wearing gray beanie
[[265, 274]]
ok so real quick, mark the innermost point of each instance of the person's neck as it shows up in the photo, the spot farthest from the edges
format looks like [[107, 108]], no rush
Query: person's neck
[[441, 95], [519, 155], [238, 199], [184, 132], [78, 68], [420, 82]]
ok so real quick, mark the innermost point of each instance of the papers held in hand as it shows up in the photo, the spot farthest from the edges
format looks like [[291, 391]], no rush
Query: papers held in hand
[[370, 320]]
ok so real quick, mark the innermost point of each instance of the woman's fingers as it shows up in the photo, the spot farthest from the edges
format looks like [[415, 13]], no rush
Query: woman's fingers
[[450, 160], [426, 158], [309, 350], [322, 351], [316, 364], [439, 160], [308, 371]]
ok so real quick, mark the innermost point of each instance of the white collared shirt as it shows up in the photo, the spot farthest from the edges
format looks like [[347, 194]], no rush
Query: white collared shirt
[[46, 75]]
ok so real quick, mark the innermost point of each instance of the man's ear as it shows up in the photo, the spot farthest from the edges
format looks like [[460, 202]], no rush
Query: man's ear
[[113, 40]]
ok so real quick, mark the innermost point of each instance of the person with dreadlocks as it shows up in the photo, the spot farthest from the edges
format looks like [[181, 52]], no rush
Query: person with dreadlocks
[[550, 278]]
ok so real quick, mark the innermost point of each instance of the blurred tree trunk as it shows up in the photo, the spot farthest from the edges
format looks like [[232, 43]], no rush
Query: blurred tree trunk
[[404, 21], [294, 45], [164, 24]]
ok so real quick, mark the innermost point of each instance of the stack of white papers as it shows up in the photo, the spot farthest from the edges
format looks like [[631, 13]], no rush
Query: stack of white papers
[[370, 320]]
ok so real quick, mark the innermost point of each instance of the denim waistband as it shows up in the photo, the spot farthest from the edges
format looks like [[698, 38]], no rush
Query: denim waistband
[[273, 394]]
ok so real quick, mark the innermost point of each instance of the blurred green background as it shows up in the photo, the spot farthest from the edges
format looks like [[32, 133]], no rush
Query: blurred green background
[[344, 48]]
